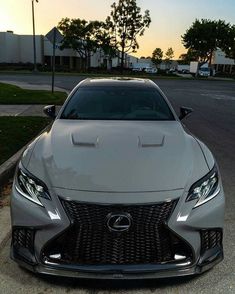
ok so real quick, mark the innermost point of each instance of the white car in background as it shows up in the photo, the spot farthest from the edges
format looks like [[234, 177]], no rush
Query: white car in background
[[137, 69], [151, 70], [204, 72]]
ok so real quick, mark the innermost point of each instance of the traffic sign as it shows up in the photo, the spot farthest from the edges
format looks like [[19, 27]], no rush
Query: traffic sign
[[55, 37], [54, 33]]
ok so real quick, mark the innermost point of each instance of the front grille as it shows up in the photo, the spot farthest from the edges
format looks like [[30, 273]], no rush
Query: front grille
[[210, 239], [88, 241], [23, 238]]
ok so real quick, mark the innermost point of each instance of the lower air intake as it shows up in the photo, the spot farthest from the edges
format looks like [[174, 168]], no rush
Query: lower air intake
[[210, 239], [23, 244], [23, 238]]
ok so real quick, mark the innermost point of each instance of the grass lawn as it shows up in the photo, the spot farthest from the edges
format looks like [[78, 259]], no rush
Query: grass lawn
[[10, 94], [15, 132]]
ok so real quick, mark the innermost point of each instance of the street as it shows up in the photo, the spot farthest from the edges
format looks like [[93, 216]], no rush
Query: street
[[213, 121]]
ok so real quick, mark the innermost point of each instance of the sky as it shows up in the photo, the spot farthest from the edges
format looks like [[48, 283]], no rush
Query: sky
[[170, 18]]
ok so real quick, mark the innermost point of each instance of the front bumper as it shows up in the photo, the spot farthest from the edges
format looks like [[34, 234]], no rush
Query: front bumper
[[51, 220], [126, 272]]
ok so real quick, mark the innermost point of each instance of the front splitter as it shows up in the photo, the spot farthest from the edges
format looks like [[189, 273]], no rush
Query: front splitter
[[151, 272]]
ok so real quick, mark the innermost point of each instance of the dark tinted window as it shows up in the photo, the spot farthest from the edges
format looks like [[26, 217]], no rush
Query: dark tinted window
[[117, 104]]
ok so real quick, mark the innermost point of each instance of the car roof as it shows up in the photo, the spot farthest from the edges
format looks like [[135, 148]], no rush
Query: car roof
[[117, 82]]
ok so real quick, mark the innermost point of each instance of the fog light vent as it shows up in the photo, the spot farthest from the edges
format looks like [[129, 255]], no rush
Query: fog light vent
[[22, 237], [210, 239], [23, 244]]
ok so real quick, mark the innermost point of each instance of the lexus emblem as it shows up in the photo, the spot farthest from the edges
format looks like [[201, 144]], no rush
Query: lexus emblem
[[119, 222]]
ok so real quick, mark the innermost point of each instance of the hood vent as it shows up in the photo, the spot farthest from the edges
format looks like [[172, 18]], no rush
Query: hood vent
[[145, 141], [82, 140]]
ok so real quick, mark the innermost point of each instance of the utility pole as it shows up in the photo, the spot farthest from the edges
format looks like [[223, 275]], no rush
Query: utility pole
[[34, 38], [53, 61]]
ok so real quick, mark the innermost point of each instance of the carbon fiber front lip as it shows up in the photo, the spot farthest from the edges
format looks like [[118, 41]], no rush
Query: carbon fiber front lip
[[131, 273]]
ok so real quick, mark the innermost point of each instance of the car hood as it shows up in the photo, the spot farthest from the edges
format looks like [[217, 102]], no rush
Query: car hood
[[116, 156]]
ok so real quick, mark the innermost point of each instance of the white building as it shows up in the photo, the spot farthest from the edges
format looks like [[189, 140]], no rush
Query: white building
[[18, 49], [221, 63]]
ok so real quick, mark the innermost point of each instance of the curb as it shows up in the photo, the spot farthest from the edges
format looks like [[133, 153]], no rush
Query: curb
[[7, 169], [5, 221]]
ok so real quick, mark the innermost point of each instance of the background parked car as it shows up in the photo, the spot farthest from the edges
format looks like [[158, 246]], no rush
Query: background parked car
[[150, 70], [204, 72]]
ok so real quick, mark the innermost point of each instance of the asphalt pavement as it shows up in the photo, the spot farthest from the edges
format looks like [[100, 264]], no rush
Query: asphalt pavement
[[213, 121]]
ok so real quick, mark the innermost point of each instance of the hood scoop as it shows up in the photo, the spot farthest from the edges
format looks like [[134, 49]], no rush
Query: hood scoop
[[83, 140], [151, 141]]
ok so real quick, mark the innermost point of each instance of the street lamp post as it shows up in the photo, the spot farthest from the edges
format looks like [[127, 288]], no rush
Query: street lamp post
[[34, 38]]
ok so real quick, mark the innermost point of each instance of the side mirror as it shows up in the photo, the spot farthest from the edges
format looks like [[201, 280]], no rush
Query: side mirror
[[185, 111], [49, 110]]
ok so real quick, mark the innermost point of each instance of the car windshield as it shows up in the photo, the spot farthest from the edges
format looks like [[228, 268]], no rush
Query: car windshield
[[112, 103]]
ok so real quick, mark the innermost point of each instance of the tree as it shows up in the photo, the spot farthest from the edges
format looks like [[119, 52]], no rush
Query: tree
[[81, 36], [191, 55], [230, 45], [125, 24], [106, 43], [205, 36], [169, 55], [157, 56]]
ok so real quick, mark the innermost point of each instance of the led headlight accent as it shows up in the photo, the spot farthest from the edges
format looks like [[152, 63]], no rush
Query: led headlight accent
[[205, 189], [30, 187]]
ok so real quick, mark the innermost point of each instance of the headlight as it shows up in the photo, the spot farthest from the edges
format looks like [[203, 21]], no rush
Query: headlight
[[30, 187], [205, 189]]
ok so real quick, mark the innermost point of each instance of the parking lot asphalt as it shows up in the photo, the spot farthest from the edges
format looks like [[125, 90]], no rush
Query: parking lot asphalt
[[213, 121]]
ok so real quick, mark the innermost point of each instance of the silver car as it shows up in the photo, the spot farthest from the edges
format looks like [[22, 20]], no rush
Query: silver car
[[117, 188]]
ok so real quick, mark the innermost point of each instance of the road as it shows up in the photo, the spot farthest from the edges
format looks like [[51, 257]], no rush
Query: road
[[213, 121]]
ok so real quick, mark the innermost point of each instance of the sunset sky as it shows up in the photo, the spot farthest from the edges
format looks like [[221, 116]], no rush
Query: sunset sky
[[170, 18]]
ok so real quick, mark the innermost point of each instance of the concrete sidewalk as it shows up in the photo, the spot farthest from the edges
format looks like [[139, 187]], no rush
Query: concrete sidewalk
[[23, 110], [26, 110]]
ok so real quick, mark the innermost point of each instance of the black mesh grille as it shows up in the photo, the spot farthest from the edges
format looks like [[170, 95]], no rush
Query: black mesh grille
[[23, 238], [89, 241], [210, 239]]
